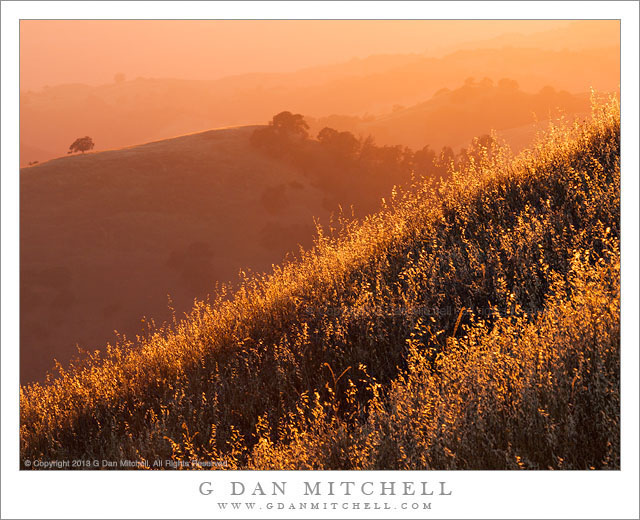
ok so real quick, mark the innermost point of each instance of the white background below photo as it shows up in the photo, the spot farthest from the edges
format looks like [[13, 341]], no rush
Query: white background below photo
[[473, 494]]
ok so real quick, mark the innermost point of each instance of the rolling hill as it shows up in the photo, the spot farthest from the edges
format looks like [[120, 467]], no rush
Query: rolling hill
[[453, 117], [106, 236], [141, 110], [470, 325], [577, 35]]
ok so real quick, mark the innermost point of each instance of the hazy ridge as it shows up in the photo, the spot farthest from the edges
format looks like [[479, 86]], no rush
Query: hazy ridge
[[145, 109]]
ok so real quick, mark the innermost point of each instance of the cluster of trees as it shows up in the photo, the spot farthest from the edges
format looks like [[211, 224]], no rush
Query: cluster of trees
[[354, 170]]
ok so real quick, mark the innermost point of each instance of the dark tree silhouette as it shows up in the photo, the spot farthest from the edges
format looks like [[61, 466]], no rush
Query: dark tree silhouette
[[290, 124], [327, 135], [424, 161], [341, 145], [81, 144], [283, 135]]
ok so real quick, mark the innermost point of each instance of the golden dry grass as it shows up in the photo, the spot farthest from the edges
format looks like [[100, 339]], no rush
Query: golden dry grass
[[474, 324], [106, 236]]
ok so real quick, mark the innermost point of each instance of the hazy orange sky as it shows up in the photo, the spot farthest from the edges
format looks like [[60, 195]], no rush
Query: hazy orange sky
[[54, 52]]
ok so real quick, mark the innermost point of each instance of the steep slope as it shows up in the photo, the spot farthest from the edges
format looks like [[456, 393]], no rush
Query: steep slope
[[472, 326], [105, 237]]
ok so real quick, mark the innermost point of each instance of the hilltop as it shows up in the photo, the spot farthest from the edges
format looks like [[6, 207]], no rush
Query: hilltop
[[585, 34], [452, 117], [469, 325], [155, 108], [107, 236]]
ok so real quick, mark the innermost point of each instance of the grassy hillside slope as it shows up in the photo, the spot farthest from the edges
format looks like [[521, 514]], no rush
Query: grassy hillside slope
[[470, 326], [106, 236]]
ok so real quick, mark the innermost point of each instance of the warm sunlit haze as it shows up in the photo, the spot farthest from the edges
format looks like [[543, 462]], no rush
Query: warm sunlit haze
[[323, 244], [55, 52], [168, 78]]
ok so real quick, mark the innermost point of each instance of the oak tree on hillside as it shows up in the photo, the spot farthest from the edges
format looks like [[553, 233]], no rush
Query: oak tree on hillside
[[290, 124], [81, 144], [281, 133], [341, 145]]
